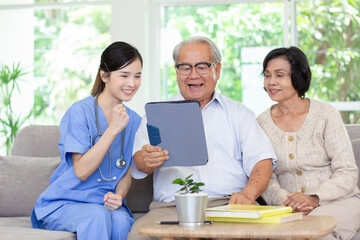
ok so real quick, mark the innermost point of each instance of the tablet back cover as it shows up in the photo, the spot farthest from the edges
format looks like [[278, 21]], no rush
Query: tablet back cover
[[177, 126]]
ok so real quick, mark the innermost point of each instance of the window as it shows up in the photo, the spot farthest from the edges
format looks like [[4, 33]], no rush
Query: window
[[58, 45], [328, 33], [247, 31]]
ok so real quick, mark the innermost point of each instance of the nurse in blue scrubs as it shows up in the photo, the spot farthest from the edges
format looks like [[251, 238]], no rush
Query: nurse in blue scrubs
[[87, 191]]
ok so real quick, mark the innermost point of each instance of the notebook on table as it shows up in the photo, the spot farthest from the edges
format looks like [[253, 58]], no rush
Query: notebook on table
[[247, 211]]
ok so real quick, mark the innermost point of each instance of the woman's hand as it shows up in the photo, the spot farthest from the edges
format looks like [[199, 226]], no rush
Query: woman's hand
[[112, 201], [300, 202]]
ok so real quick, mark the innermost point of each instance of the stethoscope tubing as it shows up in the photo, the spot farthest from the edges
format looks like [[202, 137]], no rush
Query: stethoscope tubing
[[121, 162]]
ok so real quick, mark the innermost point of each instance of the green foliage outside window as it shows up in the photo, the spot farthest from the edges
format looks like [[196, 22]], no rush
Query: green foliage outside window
[[68, 44], [328, 32], [232, 27]]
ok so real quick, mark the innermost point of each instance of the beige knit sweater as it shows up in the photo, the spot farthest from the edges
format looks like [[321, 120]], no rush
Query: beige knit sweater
[[317, 159]]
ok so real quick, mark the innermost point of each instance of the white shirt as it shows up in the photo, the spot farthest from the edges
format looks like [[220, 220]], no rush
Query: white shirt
[[235, 143]]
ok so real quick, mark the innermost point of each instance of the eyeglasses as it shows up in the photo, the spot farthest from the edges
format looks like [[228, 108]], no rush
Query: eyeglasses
[[201, 68]]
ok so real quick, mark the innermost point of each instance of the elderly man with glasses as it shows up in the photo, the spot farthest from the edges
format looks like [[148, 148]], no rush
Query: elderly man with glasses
[[241, 157]]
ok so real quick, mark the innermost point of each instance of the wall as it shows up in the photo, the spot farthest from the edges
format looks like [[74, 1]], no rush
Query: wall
[[131, 22]]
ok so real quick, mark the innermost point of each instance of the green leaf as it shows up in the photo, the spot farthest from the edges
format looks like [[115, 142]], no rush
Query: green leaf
[[189, 184], [189, 181], [194, 189], [178, 181], [188, 177]]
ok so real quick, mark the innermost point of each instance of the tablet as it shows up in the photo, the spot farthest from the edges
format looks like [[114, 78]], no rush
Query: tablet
[[177, 126]]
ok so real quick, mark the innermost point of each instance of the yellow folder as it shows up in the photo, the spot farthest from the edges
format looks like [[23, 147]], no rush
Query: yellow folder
[[282, 218], [246, 211]]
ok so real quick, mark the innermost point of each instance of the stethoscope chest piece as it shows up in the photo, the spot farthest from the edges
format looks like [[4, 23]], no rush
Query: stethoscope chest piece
[[120, 163]]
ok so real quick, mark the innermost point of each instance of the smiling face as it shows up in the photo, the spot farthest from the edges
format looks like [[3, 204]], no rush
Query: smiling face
[[277, 80], [122, 84], [195, 86]]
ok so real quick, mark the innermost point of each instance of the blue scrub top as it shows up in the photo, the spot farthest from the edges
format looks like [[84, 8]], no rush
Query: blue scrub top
[[78, 128]]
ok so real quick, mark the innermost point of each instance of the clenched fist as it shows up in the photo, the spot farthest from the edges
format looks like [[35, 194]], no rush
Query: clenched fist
[[112, 201], [119, 118]]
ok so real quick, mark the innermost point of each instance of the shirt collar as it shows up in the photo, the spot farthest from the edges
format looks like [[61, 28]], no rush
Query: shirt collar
[[216, 98]]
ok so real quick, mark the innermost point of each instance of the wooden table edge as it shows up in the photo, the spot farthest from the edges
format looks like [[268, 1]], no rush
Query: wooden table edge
[[144, 230]]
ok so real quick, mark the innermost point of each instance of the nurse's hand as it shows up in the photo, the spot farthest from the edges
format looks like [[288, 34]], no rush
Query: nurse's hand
[[119, 118], [112, 201]]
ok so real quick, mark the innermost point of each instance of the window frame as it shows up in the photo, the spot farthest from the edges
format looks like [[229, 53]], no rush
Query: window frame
[[147, 38], [290, 33]]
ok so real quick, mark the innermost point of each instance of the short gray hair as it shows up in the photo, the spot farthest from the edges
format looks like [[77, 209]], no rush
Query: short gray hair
[[215, 52]]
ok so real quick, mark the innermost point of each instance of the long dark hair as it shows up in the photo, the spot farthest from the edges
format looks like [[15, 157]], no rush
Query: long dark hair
[[116, 56]]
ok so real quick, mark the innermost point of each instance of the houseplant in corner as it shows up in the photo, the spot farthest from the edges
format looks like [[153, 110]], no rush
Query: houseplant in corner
[[191, 203], [10, 120]]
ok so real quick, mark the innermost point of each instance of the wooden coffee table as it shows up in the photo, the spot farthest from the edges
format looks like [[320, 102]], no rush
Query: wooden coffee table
[[309, 227]]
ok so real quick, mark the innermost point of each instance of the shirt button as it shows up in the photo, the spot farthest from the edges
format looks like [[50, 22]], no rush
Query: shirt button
[[298, 172], [291, 138], [302, 189], [291, 156]]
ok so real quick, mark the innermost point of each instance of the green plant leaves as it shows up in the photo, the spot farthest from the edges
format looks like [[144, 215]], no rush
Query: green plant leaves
[[10, 122], [189, 186]]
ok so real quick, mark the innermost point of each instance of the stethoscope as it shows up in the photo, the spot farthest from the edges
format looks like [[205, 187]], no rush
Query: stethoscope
[[120, 162]]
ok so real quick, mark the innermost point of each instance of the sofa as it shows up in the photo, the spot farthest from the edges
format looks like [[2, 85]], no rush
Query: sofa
[[25, 174]]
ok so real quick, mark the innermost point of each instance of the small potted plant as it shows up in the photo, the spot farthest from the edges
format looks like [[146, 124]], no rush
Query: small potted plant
[[191, 203]]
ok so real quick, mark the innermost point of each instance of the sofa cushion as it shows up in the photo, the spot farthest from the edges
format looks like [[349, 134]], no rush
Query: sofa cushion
[[356, 147], [30, 141], [24, 222], [353, 130], [20, 233], [22, 180], [140, 195]]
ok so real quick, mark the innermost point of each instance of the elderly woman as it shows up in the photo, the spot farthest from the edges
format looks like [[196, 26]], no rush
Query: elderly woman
[[316, 171]]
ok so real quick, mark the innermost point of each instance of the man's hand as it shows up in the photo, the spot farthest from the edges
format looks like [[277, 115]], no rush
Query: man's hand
[[112, 201], [239, 198], [150, 158], [258, 181], [301, 202]]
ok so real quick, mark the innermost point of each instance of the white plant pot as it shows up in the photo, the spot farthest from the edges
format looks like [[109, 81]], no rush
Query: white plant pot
[[191, 208]]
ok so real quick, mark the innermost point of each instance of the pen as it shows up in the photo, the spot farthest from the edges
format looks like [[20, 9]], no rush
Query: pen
[[177, 222]]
